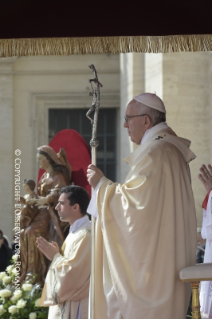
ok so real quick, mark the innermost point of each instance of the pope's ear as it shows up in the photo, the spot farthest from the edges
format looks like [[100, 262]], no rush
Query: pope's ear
[[148, 121]]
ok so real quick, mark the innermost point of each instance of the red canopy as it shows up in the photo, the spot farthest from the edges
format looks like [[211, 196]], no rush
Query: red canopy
[[78, 155]]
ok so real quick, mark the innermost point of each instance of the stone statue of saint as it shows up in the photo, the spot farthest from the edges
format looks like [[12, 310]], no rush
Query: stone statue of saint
[[45, 221]]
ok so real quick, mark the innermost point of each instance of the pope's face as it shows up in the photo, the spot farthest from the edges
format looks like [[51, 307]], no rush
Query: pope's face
[[136, 126], [42, 161]]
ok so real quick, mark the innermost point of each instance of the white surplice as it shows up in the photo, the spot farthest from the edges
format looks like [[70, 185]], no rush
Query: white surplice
[[67, 282]]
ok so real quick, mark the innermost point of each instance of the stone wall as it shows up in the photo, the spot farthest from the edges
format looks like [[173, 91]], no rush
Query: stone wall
[[183, 81], [29, 86], [187, 95], [6, 146]]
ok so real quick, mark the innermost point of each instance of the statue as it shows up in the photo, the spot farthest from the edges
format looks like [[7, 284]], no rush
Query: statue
[[28, 212], [41, 211]]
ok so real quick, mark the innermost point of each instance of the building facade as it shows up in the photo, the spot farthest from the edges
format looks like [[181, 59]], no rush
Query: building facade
[[41, 95]]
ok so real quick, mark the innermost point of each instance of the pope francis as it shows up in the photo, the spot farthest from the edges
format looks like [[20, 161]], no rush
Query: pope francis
[[146, 227]]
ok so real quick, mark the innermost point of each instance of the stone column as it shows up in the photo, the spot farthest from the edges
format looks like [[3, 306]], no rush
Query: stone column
[[132, 83], [154, 73], [210, 107], [187, 96], [6, 146]]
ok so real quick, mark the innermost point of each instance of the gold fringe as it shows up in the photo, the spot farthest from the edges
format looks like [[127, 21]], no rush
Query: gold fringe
[[96, 45]]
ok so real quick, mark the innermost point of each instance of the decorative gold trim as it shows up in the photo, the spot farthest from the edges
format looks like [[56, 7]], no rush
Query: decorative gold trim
[[196, 279], [97, 45], [195, 300]]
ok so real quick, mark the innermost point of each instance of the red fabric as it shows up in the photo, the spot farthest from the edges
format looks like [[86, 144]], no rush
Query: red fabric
[[205, 202], [78, 155]]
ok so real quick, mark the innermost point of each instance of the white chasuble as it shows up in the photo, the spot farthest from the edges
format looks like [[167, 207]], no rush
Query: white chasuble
[[146, 233], [66, 287], [206, 286]]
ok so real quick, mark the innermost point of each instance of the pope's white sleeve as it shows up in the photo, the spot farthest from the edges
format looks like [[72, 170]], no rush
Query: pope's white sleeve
[[209, 218], [92, 207]]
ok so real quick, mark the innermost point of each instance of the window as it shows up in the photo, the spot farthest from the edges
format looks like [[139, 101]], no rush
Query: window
[[60, 119]]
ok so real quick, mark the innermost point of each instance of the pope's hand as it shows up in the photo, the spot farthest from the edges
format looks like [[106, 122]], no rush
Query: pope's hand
[[94, 174], [47, 248], [206, 177]]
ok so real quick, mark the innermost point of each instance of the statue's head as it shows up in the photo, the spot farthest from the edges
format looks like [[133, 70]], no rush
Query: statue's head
[[47, 156], [29, 183]]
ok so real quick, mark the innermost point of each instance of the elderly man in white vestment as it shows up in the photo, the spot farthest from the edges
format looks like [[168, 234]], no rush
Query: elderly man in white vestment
[[67, 282], [146, 227]]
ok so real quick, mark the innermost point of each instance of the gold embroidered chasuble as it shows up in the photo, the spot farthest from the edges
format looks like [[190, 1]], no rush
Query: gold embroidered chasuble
[[146, 233], [68, 278]]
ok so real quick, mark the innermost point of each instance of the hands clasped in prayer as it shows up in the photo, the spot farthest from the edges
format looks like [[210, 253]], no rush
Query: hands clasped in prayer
[[206, 177], [47, 248]]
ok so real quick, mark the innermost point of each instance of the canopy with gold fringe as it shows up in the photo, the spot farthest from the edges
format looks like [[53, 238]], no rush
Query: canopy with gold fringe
[[89, 27]]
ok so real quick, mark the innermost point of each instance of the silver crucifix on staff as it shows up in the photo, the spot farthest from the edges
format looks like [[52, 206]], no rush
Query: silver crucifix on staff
[[95, 92], [94, 107]]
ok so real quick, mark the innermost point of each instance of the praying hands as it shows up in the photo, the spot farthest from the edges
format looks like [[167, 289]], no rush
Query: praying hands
[[47, 248], [206, 177]]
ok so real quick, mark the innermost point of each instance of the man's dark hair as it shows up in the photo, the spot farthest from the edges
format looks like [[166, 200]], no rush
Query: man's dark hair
[[2, 237], [77, 195]]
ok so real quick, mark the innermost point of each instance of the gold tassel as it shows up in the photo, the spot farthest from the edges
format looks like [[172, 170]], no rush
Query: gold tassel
[[97, 45]]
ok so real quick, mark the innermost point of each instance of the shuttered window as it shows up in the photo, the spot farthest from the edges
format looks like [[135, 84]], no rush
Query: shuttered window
[[60, 119]]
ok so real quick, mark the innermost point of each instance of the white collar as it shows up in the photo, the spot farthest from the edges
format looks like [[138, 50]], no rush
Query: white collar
[[151, 131], [79, 223]]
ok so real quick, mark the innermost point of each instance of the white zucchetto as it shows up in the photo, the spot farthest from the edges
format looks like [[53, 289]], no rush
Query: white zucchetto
[[151, 100]]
